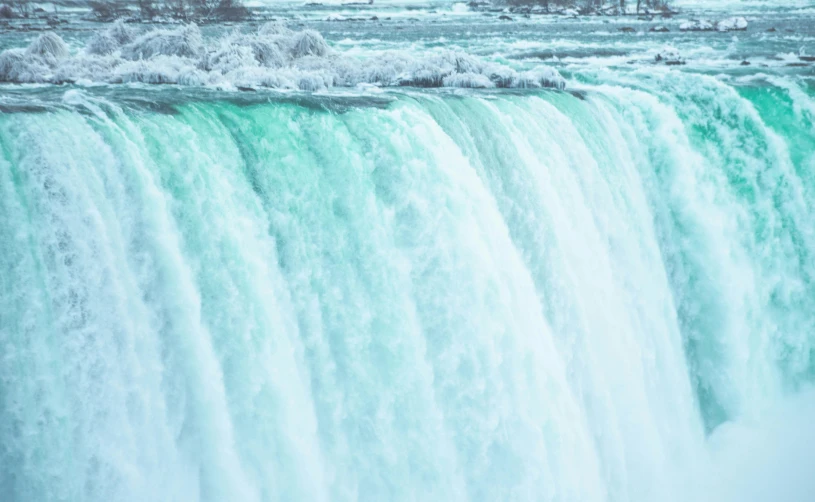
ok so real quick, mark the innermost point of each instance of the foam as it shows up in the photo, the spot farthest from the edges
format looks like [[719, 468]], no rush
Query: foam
[[766, 458]]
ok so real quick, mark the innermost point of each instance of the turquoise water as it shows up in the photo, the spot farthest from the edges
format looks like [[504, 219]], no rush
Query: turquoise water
[[606, 294]]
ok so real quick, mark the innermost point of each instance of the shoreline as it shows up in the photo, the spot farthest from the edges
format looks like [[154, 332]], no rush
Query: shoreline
[[40, 19]]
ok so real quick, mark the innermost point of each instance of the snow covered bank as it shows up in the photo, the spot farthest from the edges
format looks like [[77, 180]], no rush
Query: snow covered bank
[[729, 24]]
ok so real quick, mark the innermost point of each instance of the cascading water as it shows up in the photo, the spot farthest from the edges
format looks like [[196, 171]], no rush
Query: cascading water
[[591, 296]]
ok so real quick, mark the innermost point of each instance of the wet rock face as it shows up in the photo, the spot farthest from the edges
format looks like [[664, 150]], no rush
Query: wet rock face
[[803, 56], [669, 56]]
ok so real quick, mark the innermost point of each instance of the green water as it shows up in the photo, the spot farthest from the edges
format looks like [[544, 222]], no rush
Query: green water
[[603, 294], [485, 296]]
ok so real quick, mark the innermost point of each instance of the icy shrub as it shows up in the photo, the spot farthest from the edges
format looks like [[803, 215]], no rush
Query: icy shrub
[[273, 28], [421, 74], [501, 76], [110, 40], [461, 63], [48, 46], [159, 70], [541, 76], [468, 80], [121, 33], [89, 68], [268, 54], [185, 41], [275, 57], [102, 44], [17, 65], [308, 43], [312, 82], [230, 57]]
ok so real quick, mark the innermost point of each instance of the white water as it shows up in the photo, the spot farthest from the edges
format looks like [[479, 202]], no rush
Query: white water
[[529, 297]]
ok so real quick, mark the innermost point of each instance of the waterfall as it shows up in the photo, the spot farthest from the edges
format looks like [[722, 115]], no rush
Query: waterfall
[[530, 296]]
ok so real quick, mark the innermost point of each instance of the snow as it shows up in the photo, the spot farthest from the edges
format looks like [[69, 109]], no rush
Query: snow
[[732, 24], [729, 24], [697, 25]]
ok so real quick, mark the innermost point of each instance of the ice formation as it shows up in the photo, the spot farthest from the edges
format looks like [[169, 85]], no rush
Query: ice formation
[[48, 46], [185, 42], [110, 40], [274, 57], [697, 25], [16, 65], [729, 24], [732, 24]]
